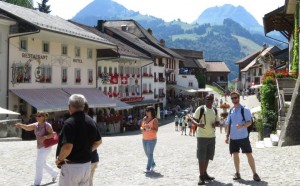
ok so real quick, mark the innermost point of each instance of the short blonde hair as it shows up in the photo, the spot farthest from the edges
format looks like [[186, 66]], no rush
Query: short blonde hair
[[235, 93]]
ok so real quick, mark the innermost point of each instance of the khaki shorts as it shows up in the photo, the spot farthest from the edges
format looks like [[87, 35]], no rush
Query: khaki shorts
[[205, 149]]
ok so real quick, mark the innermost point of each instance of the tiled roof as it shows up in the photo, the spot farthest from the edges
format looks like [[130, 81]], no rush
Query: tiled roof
[[123, 49], [48, 22], [136, 29], [248, 58], [134, 40], [190, 63], [216, 66], [189, 53]]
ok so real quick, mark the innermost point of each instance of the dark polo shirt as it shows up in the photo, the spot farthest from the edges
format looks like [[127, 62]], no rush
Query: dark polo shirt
[[81, 131]]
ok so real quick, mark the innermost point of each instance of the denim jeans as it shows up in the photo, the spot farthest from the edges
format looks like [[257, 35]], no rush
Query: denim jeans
[[149, 146]]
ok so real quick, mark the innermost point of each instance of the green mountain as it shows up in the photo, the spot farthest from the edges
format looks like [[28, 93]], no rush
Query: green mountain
[[227, 41]]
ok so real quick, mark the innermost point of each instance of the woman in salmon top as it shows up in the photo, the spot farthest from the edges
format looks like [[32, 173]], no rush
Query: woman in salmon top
[[149, 130]]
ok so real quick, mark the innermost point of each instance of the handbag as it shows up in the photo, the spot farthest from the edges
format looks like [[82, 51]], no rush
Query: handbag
[[51, 141]]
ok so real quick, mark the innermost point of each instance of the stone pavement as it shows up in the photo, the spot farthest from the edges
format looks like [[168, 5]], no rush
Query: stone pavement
[[122, 162]]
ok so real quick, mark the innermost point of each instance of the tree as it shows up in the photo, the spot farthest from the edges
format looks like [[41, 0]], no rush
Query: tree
[[43, 7], [24, 3]]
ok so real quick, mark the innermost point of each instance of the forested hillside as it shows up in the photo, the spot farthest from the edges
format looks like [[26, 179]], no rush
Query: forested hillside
[[228, 42]]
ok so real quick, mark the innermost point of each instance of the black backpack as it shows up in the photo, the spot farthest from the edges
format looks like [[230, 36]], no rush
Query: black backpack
[[202, 112], [250, 128]]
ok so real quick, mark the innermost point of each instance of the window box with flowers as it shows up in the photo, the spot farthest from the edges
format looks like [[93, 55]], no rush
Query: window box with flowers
[[155, 95], [150, 75], [145, 74], [42, 79], [48, 79], [132, 93], [19, 79], [138, 75], [27, 79], [150, 92], [162, 95], [145, 92], [115, 94], [78, 80], [90, 80]]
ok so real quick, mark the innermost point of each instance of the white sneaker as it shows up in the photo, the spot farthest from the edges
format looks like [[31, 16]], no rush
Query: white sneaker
[[147, 171], [152, 168]]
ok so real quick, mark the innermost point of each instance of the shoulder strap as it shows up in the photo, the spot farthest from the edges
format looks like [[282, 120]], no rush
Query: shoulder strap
[[242, 112], [216, 111], [201, 112]]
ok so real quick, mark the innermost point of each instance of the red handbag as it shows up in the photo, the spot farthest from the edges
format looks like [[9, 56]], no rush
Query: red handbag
[[51, 141]]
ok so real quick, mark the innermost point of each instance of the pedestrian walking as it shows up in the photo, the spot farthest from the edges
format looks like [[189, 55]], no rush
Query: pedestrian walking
[[189, 124], [184, 125], [42, 130], [237, 136], [149, 130], [95, 156], [78, 138], [206, 118], [176, 120], [222, 124]]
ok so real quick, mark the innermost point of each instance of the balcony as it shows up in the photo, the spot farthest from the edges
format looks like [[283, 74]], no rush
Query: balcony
[[162, 95], [169, 82]]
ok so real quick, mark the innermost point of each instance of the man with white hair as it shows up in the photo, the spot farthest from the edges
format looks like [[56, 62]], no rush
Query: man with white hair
[[78, 138]]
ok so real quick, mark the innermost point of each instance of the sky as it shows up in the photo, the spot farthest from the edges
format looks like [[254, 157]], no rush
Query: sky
[[186, 10]]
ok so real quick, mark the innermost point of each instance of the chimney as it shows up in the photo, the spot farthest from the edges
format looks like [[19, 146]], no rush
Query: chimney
[[124, 28], [149, 31], [100, 25], [162, 42]]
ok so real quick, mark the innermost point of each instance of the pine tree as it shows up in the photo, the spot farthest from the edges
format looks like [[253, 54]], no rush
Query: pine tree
[[24, 3], [43, 7]]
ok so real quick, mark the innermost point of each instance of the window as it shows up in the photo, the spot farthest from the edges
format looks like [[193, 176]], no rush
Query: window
[[23, 44], [23, 73], [64, 75], [89, 53], [46, 74], [64, 50], [77, 76], [90, 75], [115, 70], [77, 52], [190, 84], [46, 47], [99, 72], [145, 88]]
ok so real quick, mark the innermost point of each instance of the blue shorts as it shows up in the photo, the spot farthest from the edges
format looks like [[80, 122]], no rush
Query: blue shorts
[[236, 145]]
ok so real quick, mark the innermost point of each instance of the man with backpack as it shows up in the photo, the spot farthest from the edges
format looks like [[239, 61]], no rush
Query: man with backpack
[[206, 118], [238, 121]]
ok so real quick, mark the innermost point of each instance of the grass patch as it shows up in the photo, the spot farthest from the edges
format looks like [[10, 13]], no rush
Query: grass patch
[[216, 89]]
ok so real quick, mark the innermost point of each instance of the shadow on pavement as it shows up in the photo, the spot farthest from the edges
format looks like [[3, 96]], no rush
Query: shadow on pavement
[[252, 182], [154, 175], [50, 183], [215, 182]]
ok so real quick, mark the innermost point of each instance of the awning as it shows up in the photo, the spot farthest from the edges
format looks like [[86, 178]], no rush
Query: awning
[[120, 105], [95, 98], [144, 103], [257, 86], [48, 100], [5, 111], [186, 89]]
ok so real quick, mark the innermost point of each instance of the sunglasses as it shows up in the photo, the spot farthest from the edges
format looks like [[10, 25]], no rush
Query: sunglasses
[[234, 98], [38, 116]]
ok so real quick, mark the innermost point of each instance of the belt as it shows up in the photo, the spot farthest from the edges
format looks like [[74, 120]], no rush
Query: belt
[[66, 162]]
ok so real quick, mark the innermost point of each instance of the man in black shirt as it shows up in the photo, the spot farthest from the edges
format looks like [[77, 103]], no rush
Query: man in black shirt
[[78, 138]]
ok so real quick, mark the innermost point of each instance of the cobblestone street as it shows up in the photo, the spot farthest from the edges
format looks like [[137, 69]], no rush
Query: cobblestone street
[[122, 162]]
